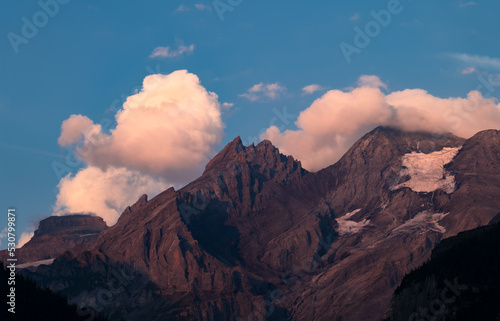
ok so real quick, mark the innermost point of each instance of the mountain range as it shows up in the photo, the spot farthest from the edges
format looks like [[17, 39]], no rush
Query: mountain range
[[258, 237]]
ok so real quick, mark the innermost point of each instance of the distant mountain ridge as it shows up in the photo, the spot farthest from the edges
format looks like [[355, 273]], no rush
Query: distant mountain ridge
[[56, 234], [259, 236]]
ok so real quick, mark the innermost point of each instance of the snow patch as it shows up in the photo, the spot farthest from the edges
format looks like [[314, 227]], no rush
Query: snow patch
[[347, 226], [427, 172], [84, 235], [351, 214], [423, 222], [35, 264]]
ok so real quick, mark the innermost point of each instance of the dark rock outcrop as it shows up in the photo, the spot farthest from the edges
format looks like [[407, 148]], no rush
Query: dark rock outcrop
[[460, 282], [35, 303]]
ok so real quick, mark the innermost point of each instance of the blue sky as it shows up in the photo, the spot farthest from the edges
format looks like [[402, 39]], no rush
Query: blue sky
[[91, 53]]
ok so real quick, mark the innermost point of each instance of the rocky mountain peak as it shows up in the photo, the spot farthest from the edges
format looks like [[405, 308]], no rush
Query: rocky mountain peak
[[487, 134], [266, 145], [418, 141], [69, 224], [485, 140], [228, 153], [140, 202], [263, 157], [479, 156]]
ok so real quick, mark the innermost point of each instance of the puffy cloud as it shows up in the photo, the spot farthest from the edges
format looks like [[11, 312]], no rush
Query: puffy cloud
[[467, 4], [201, 7], [416, 109], [167, 52], [336, 120], [182, 8], [344, 111], [311, 89], [263, 91], [371, 81], [164, 136], [355, 17], [468, 70], [73, 129], [25, 238], [168, 129], [226, 106], [197, 6], [104, 192], [331, 124], [478, 61]]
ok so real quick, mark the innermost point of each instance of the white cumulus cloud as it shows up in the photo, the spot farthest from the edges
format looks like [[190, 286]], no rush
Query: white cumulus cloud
[[468, 70], [25, 238], [371, 81], [467, 4], [355, 17], [182, 8], [477, 60], [164, 136], [262, 91], [104, 192], [168, 52], [311, 89], [336, 120], [201, 7], [74, 128]]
